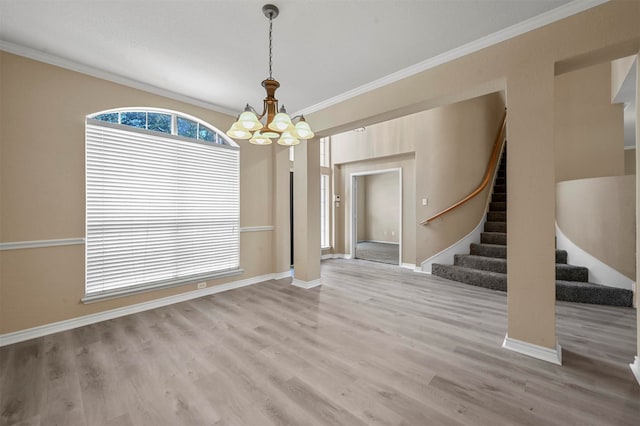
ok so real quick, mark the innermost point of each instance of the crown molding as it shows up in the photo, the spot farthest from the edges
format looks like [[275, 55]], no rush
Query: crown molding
[[68, 64], [562, 12]]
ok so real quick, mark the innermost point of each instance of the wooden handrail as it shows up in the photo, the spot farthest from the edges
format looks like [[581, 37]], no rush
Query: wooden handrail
[[491, 167]]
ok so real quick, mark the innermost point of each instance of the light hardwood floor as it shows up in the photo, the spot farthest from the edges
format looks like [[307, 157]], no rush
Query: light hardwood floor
[[374, 345]]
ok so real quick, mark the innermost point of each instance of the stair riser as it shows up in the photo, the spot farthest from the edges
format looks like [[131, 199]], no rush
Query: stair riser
[[501, 252], [561, 256], [598, 296], [500, 189], [498, 206], [493, 238], [572, 273], [470, 277], [496, 216], [499, 198], [495, 227], [489, 251], [491, 264]]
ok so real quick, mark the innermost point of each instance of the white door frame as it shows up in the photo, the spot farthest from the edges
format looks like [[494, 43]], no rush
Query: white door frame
[[354, 204]]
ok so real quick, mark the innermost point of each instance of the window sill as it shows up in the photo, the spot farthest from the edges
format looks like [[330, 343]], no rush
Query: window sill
[[159, 285]]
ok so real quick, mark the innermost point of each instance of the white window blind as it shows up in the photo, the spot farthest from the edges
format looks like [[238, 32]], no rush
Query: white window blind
[[160, 210]]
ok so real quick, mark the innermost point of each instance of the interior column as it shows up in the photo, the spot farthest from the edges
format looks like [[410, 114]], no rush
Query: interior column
[[281, 212], [635, 367], [531, 212], [306, 214]]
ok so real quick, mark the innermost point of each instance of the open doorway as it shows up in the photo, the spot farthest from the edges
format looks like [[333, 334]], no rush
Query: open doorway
[[376, 216]]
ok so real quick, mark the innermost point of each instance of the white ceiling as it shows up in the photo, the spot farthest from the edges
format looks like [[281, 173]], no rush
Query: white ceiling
[[215, 51]]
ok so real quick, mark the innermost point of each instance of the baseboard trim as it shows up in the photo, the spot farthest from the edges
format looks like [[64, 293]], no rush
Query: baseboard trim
[[553, 356], [635, 368], [380, 242], [411, 266], [56, 327], [335, 256], [282, 275], [330, 256], [306, 284]]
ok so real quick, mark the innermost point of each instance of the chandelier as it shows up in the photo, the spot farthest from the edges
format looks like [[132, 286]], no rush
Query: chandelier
[[278, 123]]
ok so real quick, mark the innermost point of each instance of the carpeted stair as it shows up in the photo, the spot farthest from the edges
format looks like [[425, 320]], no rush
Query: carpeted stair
[[486, 265]]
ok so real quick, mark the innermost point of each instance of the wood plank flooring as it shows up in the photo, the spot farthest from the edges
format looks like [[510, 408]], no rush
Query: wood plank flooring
[[374, 345]]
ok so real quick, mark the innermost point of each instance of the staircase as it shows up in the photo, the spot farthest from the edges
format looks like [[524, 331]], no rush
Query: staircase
[[486, 265]]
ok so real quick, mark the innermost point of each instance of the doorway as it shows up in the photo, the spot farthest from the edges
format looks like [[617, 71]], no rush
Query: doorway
[[376, 216]]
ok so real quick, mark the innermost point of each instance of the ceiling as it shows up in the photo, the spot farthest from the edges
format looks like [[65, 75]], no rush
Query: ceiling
[[214, 52]]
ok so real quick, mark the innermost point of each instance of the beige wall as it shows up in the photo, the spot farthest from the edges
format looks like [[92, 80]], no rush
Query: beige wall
[[598, 215], [451, 146], [42, 190], [525, 66], [630, 161], [382, 207], [589, 129]]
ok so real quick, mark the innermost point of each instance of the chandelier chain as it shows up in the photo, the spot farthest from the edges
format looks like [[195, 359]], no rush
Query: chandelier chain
[[270, 46]]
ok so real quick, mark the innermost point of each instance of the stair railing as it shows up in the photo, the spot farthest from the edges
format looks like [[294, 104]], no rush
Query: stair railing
[[491, 168]]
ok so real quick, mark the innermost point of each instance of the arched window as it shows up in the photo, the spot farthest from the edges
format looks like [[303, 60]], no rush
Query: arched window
[[162, 202]]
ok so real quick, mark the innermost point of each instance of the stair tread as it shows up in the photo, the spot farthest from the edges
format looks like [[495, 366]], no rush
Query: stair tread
[[598, 294], [499, 264], [572, 291], [490, 245], [479, 271], [569, 266]]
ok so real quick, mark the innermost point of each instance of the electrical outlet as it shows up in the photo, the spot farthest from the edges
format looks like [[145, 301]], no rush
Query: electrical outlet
[[425, 201], [202, 285]]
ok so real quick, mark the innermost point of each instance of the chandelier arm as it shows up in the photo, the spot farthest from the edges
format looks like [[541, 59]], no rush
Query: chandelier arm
[[252, 109]]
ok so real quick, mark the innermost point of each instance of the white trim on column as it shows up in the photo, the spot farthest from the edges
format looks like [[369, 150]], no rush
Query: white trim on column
[[553, 356], [256, 228], [409, 266], [306, 284], [17, 245], [44, 330], [635, 368]]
